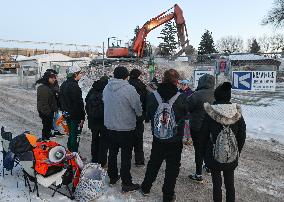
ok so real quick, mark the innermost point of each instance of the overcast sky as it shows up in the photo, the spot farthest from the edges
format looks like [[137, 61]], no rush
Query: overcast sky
[[93, 21]]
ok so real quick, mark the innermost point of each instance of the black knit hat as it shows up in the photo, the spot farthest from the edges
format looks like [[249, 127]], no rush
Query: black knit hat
[[135, 73], [104, 78], [223, 92], [52, 71], [120, 72]]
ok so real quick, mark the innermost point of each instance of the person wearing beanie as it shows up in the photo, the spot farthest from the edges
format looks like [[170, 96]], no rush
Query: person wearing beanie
[[122, 108], [204, 93], [185, 89], [55, 89], [168, 150], [222, 113], [46, 103], [55, 86], [72, 106], [95, 112], [139, 130]]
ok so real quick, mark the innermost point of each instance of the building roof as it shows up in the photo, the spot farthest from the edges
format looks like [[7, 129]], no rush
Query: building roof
[[247, 57], [243, 59], [51, 57]]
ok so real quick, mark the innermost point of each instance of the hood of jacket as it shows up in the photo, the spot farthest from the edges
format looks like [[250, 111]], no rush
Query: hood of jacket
[[226, 114], [116, 84], [167, 90], [207, 81], [99, 85]]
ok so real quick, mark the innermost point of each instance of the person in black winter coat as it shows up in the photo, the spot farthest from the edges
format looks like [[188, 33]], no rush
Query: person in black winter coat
[[46, 103], [55, 88], [223, 113], [72, 106], [95, 112], [170, 149], [139, 130], [204, 93]]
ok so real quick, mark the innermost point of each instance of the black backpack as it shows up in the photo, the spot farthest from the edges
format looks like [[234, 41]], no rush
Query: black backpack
[[95, 106]]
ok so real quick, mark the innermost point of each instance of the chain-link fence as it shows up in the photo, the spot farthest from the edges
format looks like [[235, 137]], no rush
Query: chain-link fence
[[29, 74], [262, 110]]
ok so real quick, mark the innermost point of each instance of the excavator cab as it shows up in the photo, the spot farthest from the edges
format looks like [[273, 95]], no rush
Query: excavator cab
[[115, 50]]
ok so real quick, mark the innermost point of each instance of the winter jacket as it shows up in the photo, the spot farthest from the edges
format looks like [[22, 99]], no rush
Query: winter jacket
[[55, 89], [167, 91], [95, 105], [218, 115], [71, 100], [187, 92], [141, 90], [46, 100], [121, 105], [204, 93]]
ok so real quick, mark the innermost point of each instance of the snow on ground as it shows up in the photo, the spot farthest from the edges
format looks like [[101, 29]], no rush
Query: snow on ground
[[263, 113], [259, 177]]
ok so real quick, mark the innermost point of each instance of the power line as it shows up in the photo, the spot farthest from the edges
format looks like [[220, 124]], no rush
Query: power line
[[49, 43]]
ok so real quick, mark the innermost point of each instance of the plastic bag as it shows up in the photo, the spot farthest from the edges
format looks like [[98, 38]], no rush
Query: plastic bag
[[91, 184]]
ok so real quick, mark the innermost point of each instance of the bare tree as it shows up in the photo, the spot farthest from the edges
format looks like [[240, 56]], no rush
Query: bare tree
[[230, 44], [277, 42], [265, 43], [275, 16]]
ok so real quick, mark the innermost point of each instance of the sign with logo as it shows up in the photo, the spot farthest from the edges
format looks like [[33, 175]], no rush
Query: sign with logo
[[254, 80], [200, 73]]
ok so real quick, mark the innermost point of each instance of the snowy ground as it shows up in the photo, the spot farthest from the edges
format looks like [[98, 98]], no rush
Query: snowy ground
[[259, 177]]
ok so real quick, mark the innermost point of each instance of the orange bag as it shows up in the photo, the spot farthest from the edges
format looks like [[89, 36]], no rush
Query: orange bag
[[41, 151]]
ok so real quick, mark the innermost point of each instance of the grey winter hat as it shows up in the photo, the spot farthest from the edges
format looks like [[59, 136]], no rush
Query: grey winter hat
[[120, 72]]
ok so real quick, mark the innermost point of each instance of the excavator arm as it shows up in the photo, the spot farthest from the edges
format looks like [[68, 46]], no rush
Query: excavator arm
[[177, 14]]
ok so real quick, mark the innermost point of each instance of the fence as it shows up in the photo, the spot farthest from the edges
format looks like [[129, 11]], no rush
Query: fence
[[262, 111], [28, 75]]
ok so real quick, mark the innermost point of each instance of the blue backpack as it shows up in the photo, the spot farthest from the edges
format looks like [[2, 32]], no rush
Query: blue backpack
[[165, 126]]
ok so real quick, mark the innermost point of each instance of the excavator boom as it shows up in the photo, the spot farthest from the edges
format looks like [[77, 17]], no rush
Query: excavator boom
[[140, 39]]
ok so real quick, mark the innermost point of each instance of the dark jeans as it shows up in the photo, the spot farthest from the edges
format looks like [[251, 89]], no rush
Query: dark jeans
[[125, 141], [99, 145], [171, 153], [138, 144], [217, 185], [199, 148], [47, 122]]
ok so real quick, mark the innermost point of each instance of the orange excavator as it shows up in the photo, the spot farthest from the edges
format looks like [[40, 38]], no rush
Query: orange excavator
[[139, 43]]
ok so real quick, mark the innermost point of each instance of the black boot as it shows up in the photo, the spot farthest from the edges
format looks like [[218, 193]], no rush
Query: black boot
[[131, 187]]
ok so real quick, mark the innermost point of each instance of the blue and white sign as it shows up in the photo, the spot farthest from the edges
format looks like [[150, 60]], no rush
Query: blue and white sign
[[242, 80], [254, 80]]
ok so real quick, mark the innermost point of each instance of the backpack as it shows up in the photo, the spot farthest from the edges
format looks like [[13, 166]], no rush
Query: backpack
[[225, 150], [165, 126], [95, 106]]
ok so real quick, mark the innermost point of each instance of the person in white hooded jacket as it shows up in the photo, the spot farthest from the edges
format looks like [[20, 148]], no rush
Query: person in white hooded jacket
[[223, 114], [122, 108]]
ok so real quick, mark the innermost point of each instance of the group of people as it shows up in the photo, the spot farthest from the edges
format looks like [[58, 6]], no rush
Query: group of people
[[117, 109]]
